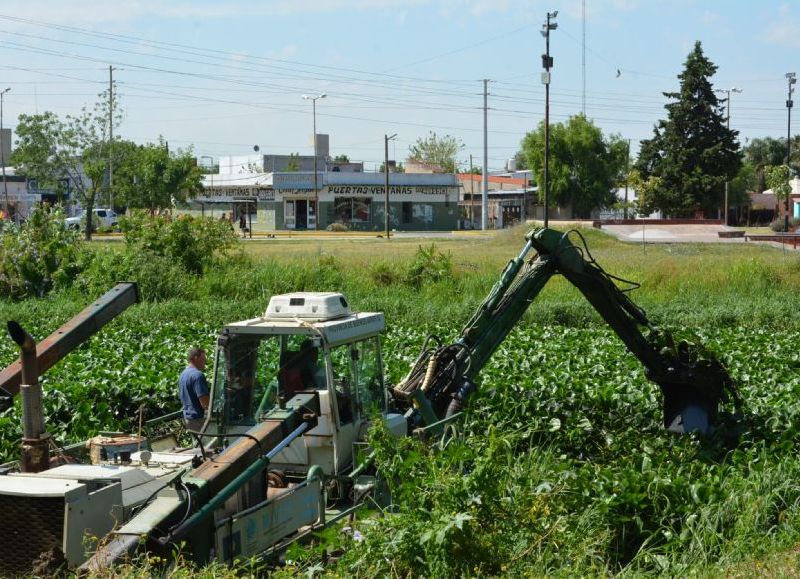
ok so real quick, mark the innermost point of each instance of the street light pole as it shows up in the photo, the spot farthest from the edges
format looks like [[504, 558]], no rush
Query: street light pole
[[3, 150], [313, 100], [791, 79], [386, 139], [547, 63], [727, 91]]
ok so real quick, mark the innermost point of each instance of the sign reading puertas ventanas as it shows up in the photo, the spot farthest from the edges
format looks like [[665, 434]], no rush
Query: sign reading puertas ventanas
[[394, 190]]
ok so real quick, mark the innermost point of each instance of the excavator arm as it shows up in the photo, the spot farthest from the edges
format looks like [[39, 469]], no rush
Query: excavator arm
[[693, 382]]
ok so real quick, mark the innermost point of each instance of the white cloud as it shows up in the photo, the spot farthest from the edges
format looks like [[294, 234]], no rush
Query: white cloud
[[784, 29]]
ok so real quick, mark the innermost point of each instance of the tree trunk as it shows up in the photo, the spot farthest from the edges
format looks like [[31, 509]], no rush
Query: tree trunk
[[89, 209]]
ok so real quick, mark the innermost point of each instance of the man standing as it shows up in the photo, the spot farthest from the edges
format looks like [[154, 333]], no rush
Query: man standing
[[193, 390]]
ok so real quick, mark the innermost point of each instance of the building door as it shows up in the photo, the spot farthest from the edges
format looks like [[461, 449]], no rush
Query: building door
[[288, 215], [301, 214]]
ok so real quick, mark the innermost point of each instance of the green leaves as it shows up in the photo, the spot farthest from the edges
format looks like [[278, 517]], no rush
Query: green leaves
[[39, 255]]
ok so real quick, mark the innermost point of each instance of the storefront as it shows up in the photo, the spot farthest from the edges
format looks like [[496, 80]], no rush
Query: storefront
[[355, 201]]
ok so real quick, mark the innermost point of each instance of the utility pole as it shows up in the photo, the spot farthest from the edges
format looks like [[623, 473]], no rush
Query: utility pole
[[547, 63], [313, 100], [3, 150], [727, 92], [111, 136], [791, 79], [627, 172], [471, 190], [386, 139], [485, 195]]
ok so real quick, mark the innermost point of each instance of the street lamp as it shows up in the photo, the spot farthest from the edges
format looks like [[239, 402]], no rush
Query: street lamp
[[547, 63], [727, 91], [791, 78], [3, 149], [313, 100], [386, 139]]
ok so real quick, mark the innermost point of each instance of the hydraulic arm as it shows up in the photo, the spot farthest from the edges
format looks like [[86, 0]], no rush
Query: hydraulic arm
[[693, 382]]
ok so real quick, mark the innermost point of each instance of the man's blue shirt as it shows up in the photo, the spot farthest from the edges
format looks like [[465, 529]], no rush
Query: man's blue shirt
[[191, 386]]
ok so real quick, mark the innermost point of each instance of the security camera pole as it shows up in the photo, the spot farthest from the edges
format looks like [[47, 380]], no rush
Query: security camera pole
[[547, 63], [792, 79]]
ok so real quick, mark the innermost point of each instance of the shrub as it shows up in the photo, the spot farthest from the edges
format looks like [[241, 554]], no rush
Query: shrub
[[39, 255], [384, 274], [777, 224], [158, 277], [191, 241], [337, 227], [429, 265]]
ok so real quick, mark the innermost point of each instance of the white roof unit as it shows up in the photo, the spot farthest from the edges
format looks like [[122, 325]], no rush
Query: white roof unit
[[312, 306]]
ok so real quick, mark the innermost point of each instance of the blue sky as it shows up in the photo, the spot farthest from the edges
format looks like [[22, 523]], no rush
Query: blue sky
[[224, 76]]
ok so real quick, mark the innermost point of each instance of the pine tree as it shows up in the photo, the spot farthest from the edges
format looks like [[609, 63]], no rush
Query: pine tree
[[692, 152]]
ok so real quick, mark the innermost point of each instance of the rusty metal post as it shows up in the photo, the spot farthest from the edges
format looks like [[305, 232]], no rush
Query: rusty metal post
[[35, 451], [70, 335]]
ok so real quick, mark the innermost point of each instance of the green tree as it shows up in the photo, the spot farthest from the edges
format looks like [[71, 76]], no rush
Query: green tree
[[585, 167], [746, 180], [294, 163], [692, 151], [779, 179], [763, 152], [341, 159], [153, 177], [436, 150], [76, 150]]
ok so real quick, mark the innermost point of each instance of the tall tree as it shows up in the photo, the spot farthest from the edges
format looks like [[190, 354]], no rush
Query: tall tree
[[764, 152], [76, 150], [585, 167], [153, 177], [779, 179], [692, 152], [436, 150]]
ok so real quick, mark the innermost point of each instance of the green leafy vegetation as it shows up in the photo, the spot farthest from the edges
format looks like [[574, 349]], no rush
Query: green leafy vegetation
[[37, 256], [560, 465], [692, 153], [585, 166]]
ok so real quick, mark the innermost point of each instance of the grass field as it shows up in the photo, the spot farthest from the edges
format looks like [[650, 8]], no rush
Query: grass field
[[561, 467]]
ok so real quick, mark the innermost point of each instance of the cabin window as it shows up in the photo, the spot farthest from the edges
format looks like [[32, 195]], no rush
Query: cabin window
[[369, 377]]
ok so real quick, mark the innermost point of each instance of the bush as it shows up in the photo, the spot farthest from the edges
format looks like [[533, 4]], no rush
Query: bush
[[191, 241], [777, 224], [39, 255], [429, 265], [337, 227], [158, 277]]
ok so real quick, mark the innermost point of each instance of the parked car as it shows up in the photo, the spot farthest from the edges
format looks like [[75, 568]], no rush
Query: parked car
[[102, 218]]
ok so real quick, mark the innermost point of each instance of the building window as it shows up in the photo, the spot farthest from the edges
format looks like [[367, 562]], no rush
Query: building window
[[407, 211], [353, 209], [423, 212]]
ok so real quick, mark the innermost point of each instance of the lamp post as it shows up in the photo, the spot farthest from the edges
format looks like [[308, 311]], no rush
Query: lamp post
[[547, 63], [313, 100], [791, 78], [386, 139], [3, 149], [727, 92]]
